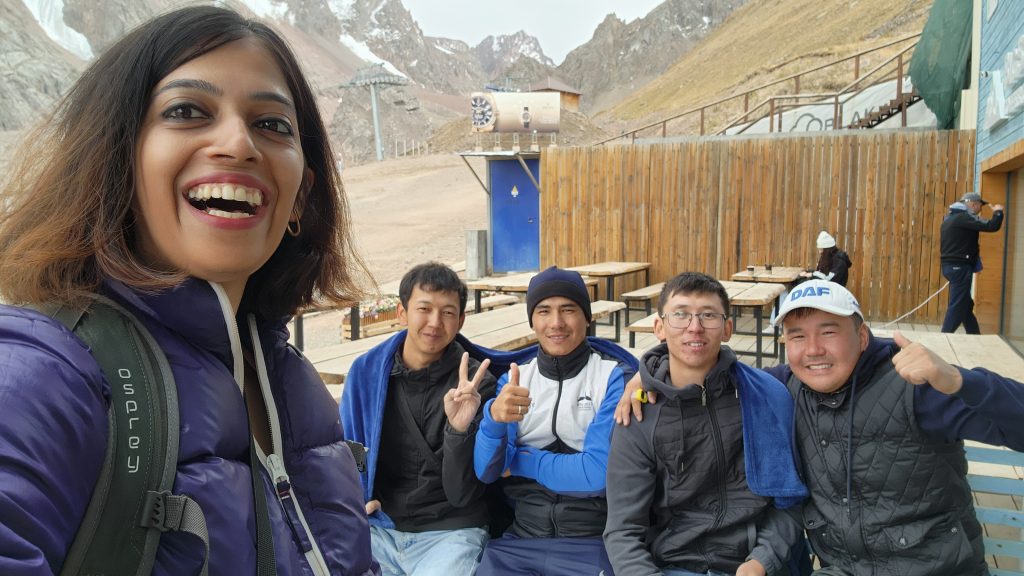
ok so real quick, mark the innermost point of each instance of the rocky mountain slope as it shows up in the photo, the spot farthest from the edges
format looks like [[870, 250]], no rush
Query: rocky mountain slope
[[35, 70], [683, 52], [621, 57], [767, 40]]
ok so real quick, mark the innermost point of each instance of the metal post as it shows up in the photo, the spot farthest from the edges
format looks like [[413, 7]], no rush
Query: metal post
[[746, 102], [702, 121], [856, 67], [797, 84], [899, 93], [771, 115], [376, 123], [354, 322]]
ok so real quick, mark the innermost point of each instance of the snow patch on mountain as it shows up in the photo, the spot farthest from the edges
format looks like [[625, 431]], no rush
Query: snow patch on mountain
[[364, 53], [270, 9], [50, 16]]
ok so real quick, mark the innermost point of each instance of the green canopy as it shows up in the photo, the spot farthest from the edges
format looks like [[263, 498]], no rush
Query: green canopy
[[939, 65]]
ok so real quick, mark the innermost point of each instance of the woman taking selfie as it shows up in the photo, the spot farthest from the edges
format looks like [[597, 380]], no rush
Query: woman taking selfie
[[188, 178]]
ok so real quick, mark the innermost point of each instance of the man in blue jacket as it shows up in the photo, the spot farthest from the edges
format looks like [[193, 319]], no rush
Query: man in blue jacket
[[880, 426], [416, 399], [549, 431]]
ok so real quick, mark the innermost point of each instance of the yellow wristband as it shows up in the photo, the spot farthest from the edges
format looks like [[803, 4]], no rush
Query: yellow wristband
[[640, 396]]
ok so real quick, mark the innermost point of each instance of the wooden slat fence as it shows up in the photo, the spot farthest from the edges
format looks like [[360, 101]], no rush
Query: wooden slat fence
[[718, 204]]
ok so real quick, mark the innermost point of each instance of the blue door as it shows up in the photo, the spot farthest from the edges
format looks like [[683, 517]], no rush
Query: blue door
[[515, 216]]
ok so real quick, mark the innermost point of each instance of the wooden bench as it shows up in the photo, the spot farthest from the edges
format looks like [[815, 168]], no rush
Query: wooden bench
[[644, 325], [996, 476], [741, 295], [645, 296], [494, 301]]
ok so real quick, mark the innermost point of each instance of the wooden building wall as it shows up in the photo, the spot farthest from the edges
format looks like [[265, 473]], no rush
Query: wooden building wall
[[718, 204]]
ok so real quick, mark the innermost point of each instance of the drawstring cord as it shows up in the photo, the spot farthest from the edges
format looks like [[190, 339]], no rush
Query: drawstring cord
[[849, 450]]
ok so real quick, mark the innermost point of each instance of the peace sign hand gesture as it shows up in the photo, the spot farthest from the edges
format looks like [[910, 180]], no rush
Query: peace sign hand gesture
[[462, 402]]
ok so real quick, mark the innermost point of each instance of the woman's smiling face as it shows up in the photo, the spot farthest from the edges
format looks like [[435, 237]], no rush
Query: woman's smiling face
[[218, 166]]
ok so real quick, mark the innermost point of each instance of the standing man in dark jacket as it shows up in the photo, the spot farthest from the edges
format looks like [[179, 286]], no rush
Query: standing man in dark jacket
[[548, 431], [698, 484], [414, 400], [959, 257], [880, 426]]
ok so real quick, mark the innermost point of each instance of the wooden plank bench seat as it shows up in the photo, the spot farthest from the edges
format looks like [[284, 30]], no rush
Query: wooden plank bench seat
[[996, 476], [494, 301], [645, 296], [644, 325]]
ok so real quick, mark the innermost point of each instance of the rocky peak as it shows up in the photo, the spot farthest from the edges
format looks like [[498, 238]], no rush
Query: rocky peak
[[498, 53], [621, 57]]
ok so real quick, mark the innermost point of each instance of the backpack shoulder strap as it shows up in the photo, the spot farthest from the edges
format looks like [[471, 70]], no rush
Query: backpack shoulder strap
[[132, 503]]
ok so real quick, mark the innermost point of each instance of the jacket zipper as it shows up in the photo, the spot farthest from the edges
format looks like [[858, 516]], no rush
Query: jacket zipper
[[275, 469], [720, 453], [275, 465], [554, 432]]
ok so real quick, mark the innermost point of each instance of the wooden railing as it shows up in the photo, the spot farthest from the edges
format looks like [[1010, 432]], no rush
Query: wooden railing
[[768, 106], [777, 105]]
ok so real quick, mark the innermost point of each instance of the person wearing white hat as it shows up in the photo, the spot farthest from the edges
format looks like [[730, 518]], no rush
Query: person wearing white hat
[[880, 426], [833, 263]]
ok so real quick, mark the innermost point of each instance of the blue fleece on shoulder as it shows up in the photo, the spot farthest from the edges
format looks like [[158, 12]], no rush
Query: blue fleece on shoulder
[[768, 444]]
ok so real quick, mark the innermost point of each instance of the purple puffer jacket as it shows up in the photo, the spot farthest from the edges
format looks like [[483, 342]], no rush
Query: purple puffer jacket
[[53, 429]]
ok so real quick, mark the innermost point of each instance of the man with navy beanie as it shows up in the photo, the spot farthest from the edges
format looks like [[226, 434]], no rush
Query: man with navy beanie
[[548, 432], [557, 282]]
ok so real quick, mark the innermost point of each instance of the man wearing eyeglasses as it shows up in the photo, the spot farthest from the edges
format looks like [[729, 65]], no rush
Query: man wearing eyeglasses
[[698, 486]]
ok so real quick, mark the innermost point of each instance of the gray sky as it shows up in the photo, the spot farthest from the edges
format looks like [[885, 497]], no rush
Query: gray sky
[[560, 25]]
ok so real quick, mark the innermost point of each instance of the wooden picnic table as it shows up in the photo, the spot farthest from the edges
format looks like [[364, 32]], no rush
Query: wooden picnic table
[[778, 275], [741, 295], [612, 270], [499, 329], [513, 283]]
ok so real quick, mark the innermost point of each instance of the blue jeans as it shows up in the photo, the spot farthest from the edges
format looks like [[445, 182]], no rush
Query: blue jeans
[[961, 306], [435, 553]]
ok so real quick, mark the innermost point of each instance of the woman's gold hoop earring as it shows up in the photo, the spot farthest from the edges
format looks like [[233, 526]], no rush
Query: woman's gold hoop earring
[[297, 230]]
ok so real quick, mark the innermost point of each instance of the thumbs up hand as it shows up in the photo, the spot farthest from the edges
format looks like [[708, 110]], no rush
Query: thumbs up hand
[[919, 365], [513, 402]]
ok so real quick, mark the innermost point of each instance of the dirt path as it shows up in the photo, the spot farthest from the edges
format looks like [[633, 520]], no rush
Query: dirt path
[[412, 210]]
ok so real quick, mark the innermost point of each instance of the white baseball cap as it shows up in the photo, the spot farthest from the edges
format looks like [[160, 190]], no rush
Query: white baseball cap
[[823, 295]]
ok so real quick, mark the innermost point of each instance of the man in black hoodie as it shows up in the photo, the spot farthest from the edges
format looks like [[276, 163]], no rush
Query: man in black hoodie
[[696, 486], [959, 257]]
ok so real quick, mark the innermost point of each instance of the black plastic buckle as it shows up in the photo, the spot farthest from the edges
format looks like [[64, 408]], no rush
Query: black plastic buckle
[[359, 454], [154, 510]]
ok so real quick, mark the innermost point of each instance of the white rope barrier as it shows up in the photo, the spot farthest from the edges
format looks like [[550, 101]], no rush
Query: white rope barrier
[[919, 306]]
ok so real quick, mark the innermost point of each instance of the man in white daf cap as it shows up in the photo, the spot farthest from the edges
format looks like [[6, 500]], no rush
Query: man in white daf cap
[[880, 426]]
